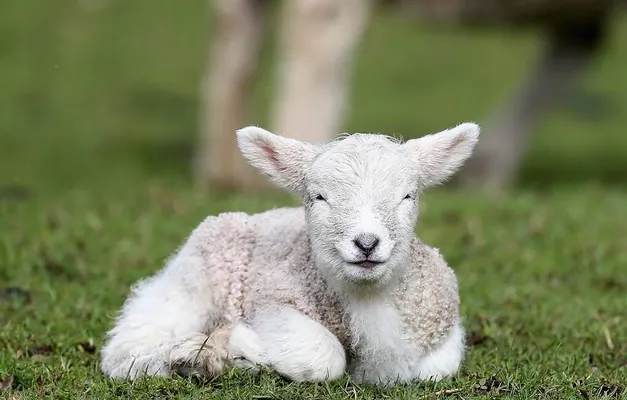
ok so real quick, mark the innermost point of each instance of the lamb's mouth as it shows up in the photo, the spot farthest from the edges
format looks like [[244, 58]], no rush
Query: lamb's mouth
[[366, 264]]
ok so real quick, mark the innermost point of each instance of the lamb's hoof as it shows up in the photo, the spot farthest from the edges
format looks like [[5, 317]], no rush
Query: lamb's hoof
[[196, 376], [187, 369], [209, 363], [246, 365]]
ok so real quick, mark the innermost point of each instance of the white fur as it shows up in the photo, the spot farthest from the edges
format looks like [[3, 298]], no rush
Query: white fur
[[161, 324], [362, 184], [375, 326], [446, 359], [387, 358], [295, 346]]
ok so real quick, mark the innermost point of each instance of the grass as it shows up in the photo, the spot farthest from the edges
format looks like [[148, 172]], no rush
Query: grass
[[541, 282], [98, 113]]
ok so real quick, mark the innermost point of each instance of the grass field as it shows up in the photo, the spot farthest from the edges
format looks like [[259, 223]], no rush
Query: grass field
[[98, 112]]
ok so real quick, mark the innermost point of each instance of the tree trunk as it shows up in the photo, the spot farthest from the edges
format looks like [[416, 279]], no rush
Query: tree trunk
[[233, 60], [498, 157], [318, 43]]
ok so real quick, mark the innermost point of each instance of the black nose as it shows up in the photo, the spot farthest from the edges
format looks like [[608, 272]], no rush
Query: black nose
[[366, 242]]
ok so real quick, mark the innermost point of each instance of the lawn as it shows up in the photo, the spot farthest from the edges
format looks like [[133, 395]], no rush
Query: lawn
[[98, 112]]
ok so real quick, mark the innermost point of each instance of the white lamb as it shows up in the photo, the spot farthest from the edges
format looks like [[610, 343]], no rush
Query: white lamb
[[340, 283]]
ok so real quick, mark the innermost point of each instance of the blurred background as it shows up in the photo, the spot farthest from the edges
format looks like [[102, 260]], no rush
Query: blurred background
[[109, 93], [117, 128]]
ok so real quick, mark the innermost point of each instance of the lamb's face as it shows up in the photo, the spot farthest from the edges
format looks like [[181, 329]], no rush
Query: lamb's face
[[360, 193], [360, 199]]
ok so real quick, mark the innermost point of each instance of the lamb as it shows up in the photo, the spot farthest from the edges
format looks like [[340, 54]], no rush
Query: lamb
[[340, 284]]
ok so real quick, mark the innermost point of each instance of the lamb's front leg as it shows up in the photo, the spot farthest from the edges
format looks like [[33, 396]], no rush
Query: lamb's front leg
[[409, 362], [445, 359], [170, 323], [292, 344], [390, 350]]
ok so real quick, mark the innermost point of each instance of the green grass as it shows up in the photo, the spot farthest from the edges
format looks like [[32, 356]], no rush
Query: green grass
[[98, 114], [540, 275]]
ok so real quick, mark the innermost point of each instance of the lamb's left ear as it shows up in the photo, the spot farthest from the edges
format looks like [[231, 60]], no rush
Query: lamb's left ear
[[439, 155], [283, 159]]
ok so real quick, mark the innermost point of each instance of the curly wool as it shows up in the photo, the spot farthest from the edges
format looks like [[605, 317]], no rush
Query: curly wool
[[265, 259]]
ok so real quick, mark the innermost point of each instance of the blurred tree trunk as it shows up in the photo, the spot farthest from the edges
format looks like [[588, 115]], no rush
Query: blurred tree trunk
[[570, 48], [233, 58], [574, 30], [317, 44]]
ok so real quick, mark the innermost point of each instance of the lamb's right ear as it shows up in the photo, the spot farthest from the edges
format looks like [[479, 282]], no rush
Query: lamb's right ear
[[283, 159]]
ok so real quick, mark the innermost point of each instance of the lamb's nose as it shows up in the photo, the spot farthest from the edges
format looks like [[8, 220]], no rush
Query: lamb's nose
[[366, 242]]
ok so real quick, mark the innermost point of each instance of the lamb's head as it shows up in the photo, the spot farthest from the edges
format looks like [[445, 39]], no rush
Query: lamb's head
[[360, 192]]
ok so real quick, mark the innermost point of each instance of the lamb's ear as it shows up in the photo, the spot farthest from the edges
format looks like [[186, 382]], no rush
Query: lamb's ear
[[283, 159], [439, 155]]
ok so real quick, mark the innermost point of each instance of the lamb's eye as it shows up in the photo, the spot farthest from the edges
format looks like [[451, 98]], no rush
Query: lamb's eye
[[319, 197], [408, 197]]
